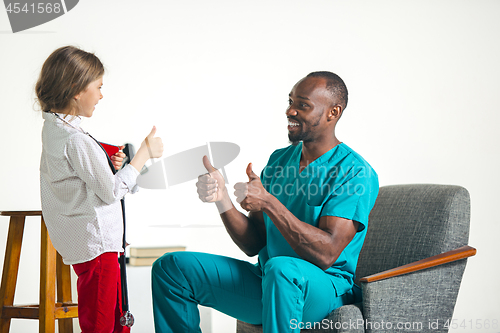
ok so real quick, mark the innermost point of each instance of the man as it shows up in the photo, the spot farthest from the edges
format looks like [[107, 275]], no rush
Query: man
[[308, 216]]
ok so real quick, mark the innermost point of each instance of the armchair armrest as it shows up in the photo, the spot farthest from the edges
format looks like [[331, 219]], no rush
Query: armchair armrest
[[443, 258]]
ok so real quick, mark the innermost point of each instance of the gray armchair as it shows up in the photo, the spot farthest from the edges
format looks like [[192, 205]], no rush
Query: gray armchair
[[411, 264]]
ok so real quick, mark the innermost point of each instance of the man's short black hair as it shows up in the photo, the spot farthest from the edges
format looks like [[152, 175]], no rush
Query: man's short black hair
[[335, 85]]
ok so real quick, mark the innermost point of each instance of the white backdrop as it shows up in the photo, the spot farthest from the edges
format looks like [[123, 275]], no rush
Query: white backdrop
[[423, 105]]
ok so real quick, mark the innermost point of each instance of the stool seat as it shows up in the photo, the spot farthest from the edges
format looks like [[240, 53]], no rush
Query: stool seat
[[52, 270]]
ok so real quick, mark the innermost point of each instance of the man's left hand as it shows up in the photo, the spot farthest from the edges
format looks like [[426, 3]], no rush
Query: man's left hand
[[252, 196]]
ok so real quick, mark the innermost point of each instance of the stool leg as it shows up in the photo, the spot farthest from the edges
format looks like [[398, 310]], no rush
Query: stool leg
[[63, 293], [10, 267], [47, 283]]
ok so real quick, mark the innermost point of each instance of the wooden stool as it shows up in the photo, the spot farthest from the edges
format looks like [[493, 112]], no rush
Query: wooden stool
[[48, 310]]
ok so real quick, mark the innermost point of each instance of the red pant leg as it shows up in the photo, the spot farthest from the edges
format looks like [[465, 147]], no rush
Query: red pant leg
[[99, 302]]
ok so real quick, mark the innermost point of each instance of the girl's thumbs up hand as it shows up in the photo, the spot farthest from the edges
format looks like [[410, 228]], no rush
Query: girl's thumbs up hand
[[153, 145]]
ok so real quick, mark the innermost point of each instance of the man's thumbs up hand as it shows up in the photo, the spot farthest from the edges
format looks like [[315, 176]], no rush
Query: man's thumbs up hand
[[252, 195], [211, 185]]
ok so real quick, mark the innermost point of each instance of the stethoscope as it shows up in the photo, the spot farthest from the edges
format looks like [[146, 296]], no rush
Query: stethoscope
[[127, 319]]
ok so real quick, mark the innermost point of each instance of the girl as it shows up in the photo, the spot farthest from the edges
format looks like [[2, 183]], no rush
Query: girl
[[80, 195]]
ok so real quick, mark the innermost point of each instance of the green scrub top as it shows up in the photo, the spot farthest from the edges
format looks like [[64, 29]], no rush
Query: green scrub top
[[338, 183]]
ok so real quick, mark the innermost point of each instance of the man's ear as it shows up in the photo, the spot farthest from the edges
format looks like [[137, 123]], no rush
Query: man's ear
[[335, 112]]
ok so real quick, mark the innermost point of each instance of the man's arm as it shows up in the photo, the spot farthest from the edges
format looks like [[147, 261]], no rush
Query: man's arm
[[320, 245], [248, 233]]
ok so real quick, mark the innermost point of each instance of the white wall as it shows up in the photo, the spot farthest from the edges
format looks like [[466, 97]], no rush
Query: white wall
[[423, 105]]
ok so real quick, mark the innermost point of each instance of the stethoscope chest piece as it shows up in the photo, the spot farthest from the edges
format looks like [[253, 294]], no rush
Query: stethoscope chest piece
[[127, 319]]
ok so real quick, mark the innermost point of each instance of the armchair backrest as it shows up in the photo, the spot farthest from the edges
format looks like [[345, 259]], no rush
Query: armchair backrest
[[413, 222]]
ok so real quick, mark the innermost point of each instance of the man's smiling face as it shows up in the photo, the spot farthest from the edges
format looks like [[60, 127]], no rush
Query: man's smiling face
[[309, 102]]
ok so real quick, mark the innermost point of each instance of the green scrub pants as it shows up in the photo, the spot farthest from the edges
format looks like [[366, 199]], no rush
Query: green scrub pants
[[287, 293]]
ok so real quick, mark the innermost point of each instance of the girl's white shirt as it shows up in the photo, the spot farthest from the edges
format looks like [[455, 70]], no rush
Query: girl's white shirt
[[80, 195]]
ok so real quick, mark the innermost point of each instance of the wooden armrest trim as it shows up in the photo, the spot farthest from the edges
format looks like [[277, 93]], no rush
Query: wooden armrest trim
[[22, 213], [443, 258]]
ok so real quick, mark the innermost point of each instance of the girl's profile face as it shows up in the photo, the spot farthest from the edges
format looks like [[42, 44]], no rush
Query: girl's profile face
[[88, 98]]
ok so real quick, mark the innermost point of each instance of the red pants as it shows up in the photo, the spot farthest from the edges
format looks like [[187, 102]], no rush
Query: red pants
[[99, 295]]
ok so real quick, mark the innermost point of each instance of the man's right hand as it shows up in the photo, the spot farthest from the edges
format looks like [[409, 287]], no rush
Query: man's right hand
[[211, 186]]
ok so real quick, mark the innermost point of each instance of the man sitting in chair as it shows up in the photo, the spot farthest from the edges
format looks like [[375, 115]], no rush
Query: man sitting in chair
[[307, 220]]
